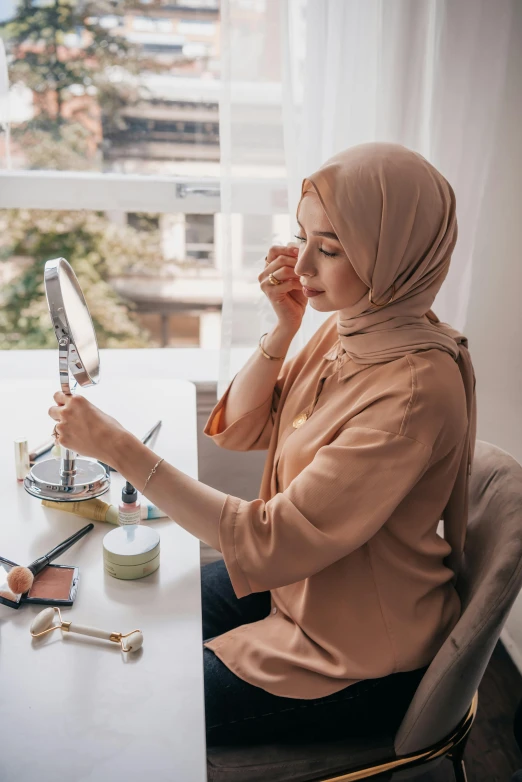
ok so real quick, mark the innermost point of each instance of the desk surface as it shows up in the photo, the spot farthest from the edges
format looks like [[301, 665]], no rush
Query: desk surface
[[74, 705]]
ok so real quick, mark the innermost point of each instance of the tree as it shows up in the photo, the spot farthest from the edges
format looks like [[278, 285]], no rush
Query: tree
[[61, 50], [65, 53], [96, 249]]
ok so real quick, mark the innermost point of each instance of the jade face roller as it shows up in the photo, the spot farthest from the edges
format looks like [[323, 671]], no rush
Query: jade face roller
[[43, 623]]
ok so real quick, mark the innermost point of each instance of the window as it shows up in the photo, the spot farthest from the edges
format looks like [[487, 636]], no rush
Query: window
[[199, 237], [121, 93], [141, 275], [260, 232], [115, 166], [129, 125]]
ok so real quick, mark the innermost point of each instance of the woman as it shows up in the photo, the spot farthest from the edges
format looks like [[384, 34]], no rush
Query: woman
[[335, 591]]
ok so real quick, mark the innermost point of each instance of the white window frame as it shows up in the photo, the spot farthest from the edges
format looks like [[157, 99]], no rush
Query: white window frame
[[71, 190]]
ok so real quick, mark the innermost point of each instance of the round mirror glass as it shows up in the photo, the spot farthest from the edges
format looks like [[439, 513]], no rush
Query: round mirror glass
[[71, 318]]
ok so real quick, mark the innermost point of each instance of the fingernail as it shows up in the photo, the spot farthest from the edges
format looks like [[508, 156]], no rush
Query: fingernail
[[295, 250]]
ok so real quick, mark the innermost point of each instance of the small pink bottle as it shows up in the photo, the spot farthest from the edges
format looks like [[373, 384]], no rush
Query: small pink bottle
[[129, 507]]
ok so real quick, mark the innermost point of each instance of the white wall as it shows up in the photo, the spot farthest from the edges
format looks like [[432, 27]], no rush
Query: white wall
[[494, 324]]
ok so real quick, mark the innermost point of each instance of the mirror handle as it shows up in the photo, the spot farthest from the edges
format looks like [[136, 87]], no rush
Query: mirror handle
[[68, 465]]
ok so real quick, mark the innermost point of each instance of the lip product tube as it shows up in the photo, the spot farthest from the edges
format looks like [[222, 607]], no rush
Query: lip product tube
[[98, 510], [150, 511], [22, 465]]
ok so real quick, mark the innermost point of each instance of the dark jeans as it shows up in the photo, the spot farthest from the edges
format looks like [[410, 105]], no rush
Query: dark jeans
[[240, 713]]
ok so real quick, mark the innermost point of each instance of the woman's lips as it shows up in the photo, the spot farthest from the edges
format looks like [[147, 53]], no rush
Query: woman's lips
[[311, 291]]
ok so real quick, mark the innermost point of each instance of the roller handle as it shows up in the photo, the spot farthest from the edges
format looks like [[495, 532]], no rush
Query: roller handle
[[94, 632], [129, 643]]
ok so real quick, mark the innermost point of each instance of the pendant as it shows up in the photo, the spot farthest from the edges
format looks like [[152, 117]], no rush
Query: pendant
[[301, 418]]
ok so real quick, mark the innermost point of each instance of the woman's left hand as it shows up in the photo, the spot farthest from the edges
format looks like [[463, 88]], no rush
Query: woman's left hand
[[84, 428]]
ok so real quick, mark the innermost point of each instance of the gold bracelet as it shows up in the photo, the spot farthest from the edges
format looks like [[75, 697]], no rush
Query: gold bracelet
[[272, 358], [151, 473]]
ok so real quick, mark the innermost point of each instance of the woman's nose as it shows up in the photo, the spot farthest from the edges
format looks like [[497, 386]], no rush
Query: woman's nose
[[303, 265]]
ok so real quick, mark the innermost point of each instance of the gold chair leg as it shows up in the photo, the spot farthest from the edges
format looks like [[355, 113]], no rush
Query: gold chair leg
[[459, 769], [452, 747], [457, 758]]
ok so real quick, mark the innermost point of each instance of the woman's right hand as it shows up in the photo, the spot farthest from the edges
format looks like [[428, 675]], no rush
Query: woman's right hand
[[287, 299]]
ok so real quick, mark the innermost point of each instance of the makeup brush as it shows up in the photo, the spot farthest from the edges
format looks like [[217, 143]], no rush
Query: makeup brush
[[44, 448], [20, 579]]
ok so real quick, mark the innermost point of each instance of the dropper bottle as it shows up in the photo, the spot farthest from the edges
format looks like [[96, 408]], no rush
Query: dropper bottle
[[129, 507]]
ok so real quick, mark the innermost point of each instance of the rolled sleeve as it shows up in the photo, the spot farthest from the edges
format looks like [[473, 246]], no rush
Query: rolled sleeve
[[334, 506], [251, 432]]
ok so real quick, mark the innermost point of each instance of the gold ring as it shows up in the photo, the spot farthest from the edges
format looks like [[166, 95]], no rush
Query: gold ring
[[273, 280]]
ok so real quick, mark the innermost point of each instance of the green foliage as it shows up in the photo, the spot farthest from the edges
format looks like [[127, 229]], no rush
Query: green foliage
[[61, 147], [36, 38], [96, 249]]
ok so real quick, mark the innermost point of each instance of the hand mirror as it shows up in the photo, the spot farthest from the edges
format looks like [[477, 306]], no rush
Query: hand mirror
[[69, 478]]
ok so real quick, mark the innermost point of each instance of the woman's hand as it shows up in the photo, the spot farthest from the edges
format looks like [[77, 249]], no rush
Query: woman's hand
[[287, 299], [84, 428]]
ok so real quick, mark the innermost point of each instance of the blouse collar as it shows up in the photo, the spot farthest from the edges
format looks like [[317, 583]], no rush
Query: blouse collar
[[346, 366]]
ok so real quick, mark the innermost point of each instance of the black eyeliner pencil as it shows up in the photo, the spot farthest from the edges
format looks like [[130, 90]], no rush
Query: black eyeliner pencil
[[145, 439], [151, 432]]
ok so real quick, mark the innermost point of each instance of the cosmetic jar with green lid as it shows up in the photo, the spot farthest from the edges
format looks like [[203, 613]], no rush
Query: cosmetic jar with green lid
[[131, 551]]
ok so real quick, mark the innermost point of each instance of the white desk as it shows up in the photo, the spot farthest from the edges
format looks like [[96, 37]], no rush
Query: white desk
[[73, 707]]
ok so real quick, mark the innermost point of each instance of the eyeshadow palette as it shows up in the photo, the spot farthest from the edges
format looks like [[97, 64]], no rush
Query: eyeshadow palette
[[55, 585]]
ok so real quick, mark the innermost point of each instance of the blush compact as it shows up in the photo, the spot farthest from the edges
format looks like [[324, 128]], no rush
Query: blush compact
[[55, 585], [40, 582]]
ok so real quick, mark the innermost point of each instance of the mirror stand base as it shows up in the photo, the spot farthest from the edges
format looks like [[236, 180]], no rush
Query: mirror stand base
[[46, 482]]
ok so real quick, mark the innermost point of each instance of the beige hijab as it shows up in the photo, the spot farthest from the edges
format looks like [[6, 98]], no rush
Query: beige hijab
[[394, 214]]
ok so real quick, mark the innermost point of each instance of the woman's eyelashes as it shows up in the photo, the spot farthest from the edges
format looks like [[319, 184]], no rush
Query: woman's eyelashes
[[303, 239]]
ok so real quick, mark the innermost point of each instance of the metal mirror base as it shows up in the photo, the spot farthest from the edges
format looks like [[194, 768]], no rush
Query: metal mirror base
[[46, 482]]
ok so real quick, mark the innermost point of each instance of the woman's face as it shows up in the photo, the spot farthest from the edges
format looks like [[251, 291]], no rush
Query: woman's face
[[322, 263]]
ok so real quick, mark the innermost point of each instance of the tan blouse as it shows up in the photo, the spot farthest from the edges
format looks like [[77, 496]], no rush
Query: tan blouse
[[361, 461]]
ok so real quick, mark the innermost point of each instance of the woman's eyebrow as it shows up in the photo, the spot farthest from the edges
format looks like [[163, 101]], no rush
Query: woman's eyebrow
[[326, 234]]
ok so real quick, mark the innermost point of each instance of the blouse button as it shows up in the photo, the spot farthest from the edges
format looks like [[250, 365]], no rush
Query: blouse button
[[301, 418]]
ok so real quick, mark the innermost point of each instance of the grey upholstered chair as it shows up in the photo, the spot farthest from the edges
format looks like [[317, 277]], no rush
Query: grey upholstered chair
[[442, 711]]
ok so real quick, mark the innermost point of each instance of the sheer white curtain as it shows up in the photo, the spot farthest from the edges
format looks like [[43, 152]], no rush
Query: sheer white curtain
[[303, 79], [5, 153]]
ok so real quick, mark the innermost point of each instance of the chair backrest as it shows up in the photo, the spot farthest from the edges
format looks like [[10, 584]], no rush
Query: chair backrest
[[489, 582]]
